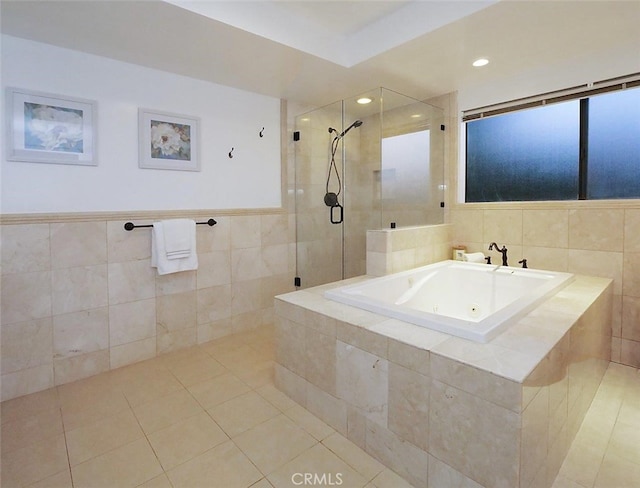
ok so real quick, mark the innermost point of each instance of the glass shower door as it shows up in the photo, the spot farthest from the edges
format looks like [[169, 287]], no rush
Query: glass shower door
[[319, 250]]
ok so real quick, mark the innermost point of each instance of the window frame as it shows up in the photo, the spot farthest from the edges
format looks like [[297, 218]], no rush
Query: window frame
[[583, 93]]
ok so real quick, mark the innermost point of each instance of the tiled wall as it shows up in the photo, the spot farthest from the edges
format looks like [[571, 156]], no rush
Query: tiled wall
[[597, 241], [80, 298], [394, 250]]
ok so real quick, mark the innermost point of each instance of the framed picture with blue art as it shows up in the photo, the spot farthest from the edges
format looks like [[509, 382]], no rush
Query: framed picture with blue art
[[47, 128], [168, 141]]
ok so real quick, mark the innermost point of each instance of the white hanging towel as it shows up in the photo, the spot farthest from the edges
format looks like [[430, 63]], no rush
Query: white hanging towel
[[173, 246]]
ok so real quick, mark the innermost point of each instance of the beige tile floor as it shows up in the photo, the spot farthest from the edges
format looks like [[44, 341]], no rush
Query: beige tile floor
[[210, 416], [606, 450]]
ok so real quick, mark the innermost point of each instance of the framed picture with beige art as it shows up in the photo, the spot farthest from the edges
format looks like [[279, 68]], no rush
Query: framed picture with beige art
[[168, 141]]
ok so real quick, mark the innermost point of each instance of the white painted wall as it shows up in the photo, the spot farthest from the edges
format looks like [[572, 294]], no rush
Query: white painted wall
[[229, 118]]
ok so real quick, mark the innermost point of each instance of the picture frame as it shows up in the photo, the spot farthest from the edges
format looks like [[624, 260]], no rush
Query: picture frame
[[48, 128], [168, 141]]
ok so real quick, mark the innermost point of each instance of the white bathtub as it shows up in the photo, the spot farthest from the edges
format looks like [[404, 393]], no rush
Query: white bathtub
[[468, 300]]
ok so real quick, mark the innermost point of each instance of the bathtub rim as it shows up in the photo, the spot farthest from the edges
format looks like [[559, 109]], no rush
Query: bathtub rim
[[483, 331]]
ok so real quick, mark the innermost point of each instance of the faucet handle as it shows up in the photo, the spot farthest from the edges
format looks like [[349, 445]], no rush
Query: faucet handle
[[523, 263]]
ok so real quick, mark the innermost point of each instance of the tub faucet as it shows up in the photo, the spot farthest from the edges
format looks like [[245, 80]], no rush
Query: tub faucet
[[493, 246]]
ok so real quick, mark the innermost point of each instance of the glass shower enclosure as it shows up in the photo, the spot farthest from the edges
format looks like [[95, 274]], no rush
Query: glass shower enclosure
[[372, 161]]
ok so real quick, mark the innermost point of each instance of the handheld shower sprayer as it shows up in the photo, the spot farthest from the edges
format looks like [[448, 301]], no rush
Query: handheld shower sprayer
[[357, 123], [331, 198]]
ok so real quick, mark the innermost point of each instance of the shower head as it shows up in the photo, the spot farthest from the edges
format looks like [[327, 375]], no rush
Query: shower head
[[357, 123]]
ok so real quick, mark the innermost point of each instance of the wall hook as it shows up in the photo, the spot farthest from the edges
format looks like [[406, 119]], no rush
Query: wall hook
[[262, 132], [231, 153]]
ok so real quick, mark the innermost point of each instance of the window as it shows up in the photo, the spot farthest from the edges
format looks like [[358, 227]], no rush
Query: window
[[576, 149]]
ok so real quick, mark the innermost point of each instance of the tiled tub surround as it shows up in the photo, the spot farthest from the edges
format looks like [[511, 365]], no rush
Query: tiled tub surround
[[400, 249], [81, 298], [443, 411], [596, 238]]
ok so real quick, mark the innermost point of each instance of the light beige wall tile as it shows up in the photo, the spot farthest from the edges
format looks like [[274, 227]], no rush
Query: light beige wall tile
[[81, 332], [327, 407], [409, 405], [131, 281], [632, 230], [402, 239], [630, 352], [290, 383], [246, 321], [213, 304], [213, 330], [75, 368], [246, 264], [245, 296], [274, 229], [403, 260], [630, 318], [26, 296], [272, 286], [631, 278], [378, 241], [216, 238], [275, 259], [616, 349], [78, 244], [245, 231], [426, 253], [214, 268], [362, 380], [175, 283], [485, 432], [402, 457], [534, 440], [133, 321], [549, 258], [169, 341], [290, 347], [27, 345], [363, 338], [320, 352], [27, 381], [616, 315], [545, 228], [441, 475], [502, 227], [476, 382], [409, 356], [175, 312], [132, 352], [598, 263], [123, 245], [80, 288], [377, 264], [596, 229], [25, 248], [468, 225]]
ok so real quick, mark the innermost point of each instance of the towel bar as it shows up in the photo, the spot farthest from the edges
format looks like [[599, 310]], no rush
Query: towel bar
[[131, 225]]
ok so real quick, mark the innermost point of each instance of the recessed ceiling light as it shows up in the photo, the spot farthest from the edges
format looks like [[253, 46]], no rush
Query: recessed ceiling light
[[416, 116], [480, 62], [364, 100]]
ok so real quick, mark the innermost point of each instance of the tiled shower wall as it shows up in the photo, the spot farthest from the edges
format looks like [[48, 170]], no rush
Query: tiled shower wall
[[597, 241], [80, 298]]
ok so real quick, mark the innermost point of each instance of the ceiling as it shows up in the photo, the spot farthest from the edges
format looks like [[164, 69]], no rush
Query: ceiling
[[317, 52]]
